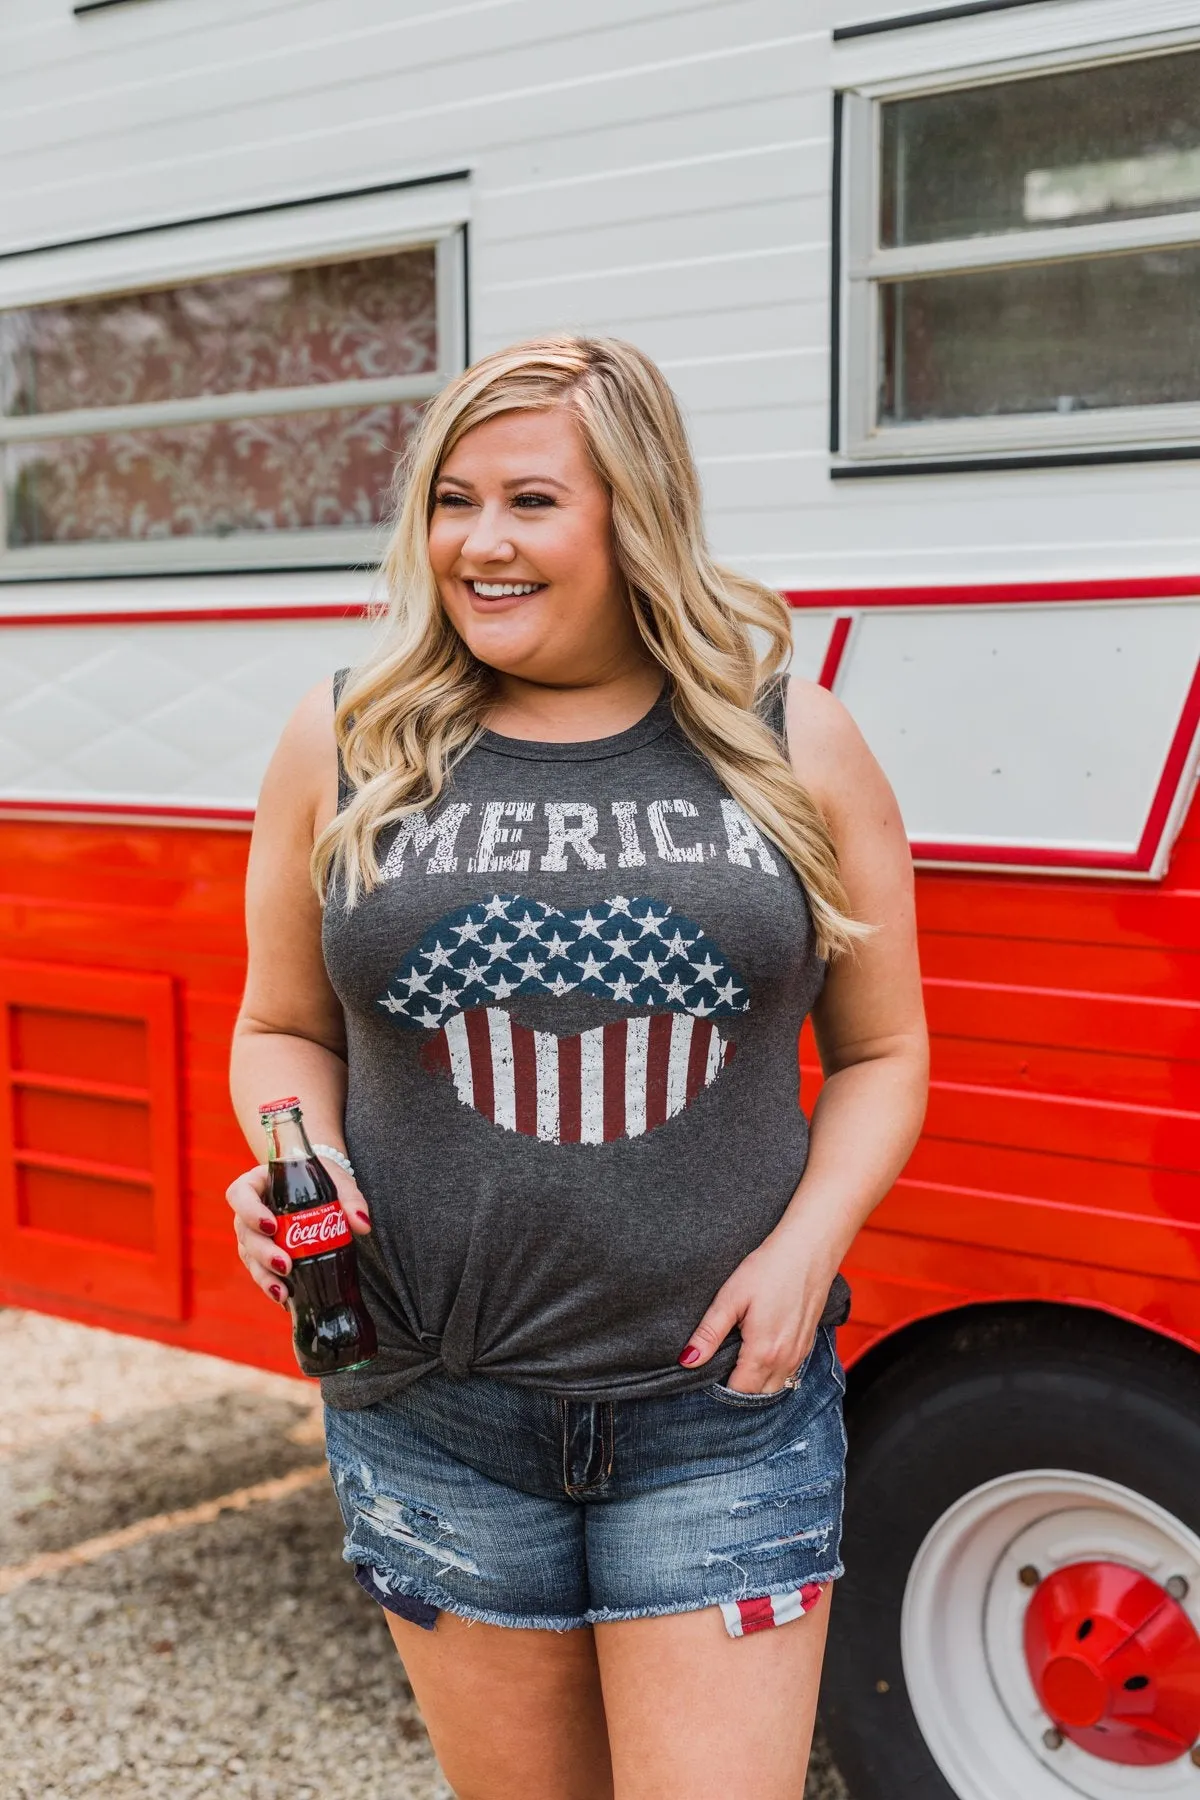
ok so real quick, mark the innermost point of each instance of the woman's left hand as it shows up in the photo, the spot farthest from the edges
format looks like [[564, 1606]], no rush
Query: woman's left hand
[[775, 1298]]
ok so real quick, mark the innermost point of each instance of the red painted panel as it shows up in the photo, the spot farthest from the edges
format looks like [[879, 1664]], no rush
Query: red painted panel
[[1131, 973], [1059, 1162], [1060, 911], [1103, 1075], [1091, 1184], [1061, 1016], [89, 1135]]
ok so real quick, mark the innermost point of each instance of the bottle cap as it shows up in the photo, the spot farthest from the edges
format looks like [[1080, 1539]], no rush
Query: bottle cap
[[274, 1106]]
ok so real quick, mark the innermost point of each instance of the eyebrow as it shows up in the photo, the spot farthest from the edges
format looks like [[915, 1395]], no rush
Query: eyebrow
[[523, 481]]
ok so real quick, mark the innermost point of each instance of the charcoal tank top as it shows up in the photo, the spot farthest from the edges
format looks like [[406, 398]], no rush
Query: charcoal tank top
[[572, 1006]]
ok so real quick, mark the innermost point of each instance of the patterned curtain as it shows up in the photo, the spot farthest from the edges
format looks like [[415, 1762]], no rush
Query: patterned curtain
[[285, 328]]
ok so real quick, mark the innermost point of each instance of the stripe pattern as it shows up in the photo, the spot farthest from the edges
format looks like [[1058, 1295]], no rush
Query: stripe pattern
[[618, 1080], [765, 1611]]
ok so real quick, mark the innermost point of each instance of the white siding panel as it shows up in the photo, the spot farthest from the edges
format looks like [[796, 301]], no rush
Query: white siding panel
[[594, 249], [104, 46], [681, 341], [712, 181], [756, 382], [341, 90], [763, 420], [686, 284], [655, 168], [740, 121], [254, 60], [734, 482], [751, 536], [1045, 526]]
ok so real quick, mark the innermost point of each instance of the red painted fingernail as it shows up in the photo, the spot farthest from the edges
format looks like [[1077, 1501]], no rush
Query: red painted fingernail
[[278, 1264], [276, 1292], [363, 1219], [690, 1355], [267, 1226]]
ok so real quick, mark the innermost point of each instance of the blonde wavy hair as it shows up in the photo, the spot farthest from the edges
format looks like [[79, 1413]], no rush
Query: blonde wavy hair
[[419, 701]]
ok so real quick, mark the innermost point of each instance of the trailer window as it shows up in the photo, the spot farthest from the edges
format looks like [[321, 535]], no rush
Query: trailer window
[[254, 416], [1024, 263]]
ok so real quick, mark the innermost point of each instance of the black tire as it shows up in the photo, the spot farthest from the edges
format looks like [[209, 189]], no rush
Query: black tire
[[995, 1393]]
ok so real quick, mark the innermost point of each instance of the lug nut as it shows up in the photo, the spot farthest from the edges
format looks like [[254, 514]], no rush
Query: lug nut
[[1177, 1586], [1029, 1576], [1053, 1739]]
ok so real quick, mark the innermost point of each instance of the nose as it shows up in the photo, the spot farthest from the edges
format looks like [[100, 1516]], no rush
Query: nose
[[486, 541]]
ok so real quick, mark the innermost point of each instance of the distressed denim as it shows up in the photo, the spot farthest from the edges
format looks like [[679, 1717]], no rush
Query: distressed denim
[[512, 1506]]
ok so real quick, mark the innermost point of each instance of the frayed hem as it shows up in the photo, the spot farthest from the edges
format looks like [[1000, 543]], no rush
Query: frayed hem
[[611, 1615], [475, 1615], [606, 1615]]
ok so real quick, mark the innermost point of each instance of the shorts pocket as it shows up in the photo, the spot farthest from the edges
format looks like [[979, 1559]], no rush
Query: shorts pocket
[[731, 1397]]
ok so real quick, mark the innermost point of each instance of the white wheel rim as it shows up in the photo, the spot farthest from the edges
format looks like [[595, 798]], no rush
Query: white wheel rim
[[961, 1632]]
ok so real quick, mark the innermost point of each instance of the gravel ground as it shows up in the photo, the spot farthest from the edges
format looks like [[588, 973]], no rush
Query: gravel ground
[[185, 1664]]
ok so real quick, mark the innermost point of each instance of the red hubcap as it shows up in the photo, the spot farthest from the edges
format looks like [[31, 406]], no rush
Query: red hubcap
[[1116, 1663]]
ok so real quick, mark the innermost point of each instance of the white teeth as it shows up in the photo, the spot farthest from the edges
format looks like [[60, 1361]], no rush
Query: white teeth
[[504, 590]]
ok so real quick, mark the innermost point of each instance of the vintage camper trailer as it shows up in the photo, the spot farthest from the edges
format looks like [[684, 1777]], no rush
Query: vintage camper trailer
[[929, 287]]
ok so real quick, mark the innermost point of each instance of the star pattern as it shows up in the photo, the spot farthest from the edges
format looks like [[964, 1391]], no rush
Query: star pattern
[[633, 950]]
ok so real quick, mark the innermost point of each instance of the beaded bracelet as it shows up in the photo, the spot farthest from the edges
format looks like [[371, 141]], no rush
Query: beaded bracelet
[[335, 1156]]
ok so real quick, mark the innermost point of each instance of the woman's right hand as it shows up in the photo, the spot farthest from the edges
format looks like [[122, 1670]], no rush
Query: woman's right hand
[[254, 1225]]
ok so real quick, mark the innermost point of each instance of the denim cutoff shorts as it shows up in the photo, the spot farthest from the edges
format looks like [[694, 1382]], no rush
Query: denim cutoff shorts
[[513, 1506]]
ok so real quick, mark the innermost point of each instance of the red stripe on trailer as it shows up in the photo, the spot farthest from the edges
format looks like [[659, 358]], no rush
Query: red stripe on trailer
[[106, 810], [1020, 593], [835, 650], [197, 615], [1177, 755]]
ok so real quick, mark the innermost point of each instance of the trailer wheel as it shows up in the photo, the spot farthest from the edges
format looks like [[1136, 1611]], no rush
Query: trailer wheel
[[1020, 1618]]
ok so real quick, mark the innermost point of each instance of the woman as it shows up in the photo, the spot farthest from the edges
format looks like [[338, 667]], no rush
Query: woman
[[534, 951]]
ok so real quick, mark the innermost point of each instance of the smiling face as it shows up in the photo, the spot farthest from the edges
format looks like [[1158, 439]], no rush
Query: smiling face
[[520, 541]]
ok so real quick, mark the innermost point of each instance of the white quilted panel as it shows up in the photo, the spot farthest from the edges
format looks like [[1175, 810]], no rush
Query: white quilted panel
[[182, 715]]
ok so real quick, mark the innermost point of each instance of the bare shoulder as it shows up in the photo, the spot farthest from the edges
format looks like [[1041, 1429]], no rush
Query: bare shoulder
[[829, 753], [301, 778]]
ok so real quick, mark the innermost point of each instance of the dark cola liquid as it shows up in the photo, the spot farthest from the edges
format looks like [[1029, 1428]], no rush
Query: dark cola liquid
[[331, 1327]]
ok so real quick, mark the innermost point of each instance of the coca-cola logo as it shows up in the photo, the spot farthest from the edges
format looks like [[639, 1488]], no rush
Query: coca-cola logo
[[316, 1230]]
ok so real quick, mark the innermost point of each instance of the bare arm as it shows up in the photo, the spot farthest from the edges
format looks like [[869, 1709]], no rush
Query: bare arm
[[870, 1027], [290, 1033]]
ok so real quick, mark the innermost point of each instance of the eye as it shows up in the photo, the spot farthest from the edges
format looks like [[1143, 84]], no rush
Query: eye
[[451, 499], [529, 501]]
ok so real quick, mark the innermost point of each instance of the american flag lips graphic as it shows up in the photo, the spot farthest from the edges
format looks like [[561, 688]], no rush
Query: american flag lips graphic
[[617, 1080]]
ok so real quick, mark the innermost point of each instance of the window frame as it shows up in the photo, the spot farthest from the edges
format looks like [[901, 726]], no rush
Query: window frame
[[409, 215], [864, 445]]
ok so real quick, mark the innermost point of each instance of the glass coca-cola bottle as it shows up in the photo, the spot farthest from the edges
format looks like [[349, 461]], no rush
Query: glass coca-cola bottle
[[331, 1327]]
